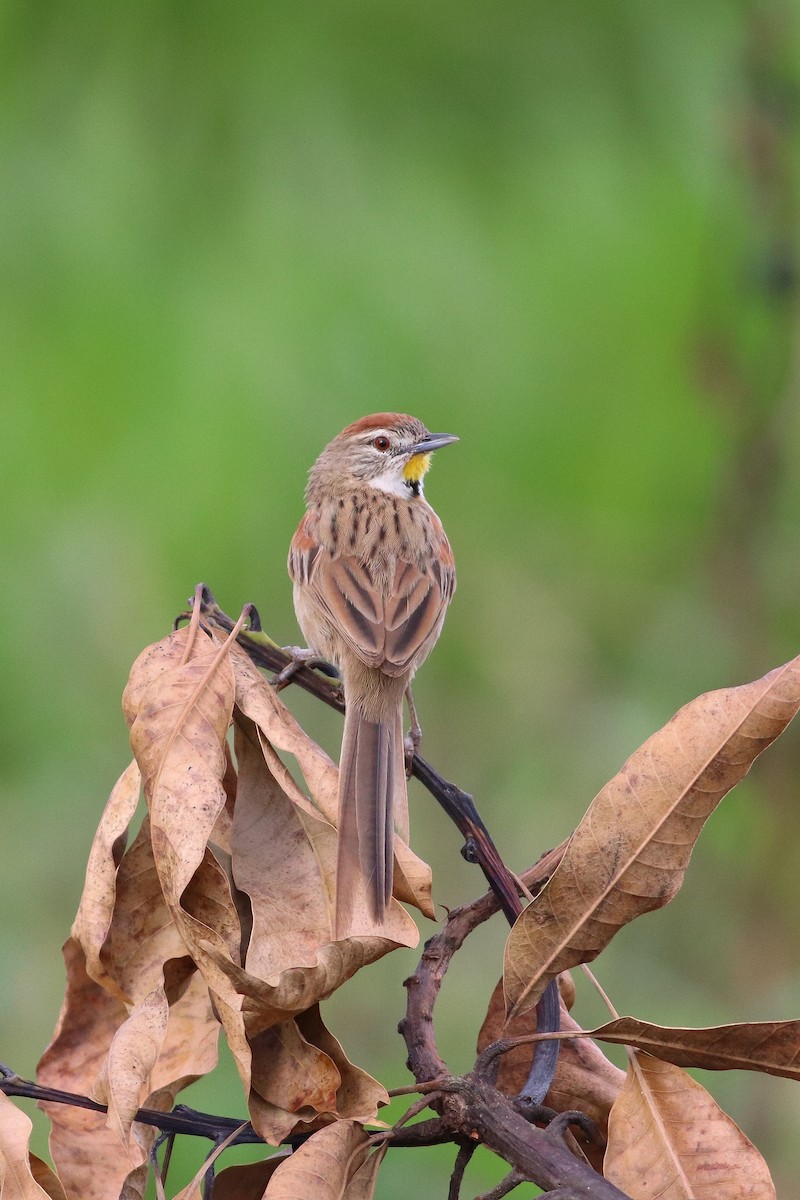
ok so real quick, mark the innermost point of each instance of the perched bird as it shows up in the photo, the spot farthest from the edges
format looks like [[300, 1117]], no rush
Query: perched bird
[[373, 575]]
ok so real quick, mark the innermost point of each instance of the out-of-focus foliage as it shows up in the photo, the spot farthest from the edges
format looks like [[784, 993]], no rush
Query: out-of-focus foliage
[[566, 232]]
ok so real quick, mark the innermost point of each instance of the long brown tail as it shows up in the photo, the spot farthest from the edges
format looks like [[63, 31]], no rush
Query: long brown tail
[[371, 777]]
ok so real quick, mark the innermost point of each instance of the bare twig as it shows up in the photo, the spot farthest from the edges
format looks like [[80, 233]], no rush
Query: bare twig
[[465, 1153], [512, 1180], [471, 1106], [180, 1120]]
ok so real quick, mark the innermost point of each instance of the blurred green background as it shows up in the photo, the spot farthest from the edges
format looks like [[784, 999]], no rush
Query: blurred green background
[[566, 232]]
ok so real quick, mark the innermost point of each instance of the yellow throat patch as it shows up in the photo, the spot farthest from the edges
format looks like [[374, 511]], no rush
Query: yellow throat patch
[[416, 467]]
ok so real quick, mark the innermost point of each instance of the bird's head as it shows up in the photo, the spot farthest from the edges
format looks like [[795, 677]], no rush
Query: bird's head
[[387, 451]]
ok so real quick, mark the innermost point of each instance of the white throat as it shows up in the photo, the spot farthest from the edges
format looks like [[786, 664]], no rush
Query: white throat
[[393, 484]]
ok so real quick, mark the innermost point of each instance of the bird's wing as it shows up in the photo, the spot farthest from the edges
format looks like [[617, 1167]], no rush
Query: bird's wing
[[414, 610], [388, 631], [303, 551]]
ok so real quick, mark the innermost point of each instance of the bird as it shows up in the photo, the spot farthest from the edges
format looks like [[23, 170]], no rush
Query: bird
[[373, 575]]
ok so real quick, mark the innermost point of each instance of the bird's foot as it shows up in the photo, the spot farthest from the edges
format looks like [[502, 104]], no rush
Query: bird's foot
[[411, 744], [299, 657], [413, 739]]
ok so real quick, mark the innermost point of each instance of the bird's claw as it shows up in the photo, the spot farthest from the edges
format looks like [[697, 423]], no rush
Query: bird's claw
[[300, 656]]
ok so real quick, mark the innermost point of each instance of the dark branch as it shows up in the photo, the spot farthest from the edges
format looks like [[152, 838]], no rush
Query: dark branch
[[465, 1153], [190, 1121], [180, 1120], [471, 1106]]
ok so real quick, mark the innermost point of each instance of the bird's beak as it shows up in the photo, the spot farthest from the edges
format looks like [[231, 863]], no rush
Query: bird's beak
[[432, 441]]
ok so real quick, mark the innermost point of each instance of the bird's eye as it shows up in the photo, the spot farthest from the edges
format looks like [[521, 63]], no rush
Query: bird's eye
[[381, 443]]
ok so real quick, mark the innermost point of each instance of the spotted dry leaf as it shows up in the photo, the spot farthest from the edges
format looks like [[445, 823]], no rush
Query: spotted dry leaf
[[669, 1140], [772, 1047], [142, 936], [630, 852]]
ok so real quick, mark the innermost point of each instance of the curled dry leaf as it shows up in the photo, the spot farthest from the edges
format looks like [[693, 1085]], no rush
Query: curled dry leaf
[[133, 1053], [291, 1073], [17, 1181], [179, 703], [95, 911], [584, 1078], [46, 1178], [327, 1167], [669, 1140], [358, 1095], [300, 1074], [629, 854], [142, 937]]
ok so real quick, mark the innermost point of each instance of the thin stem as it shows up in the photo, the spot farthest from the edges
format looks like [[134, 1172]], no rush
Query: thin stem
[[463, 1157], [595, 982]]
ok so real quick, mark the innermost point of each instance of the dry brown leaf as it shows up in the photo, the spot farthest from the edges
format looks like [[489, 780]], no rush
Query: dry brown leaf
[[248, 1181], [190, 1047], [584, 1078], [132, 1055], [769, 1046], [220, 837], [142, 936], [291, 1073], [412, 879], [275, 862], [323, 1167], [17, 1181], [362, 1185], [89, 1158], [630, 852], [178, 702], [46, 1178], [359, 1095], [135, 1184], [258, 701], [93, 918], [270, 1121], [300, 1075], [669, 1140]]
